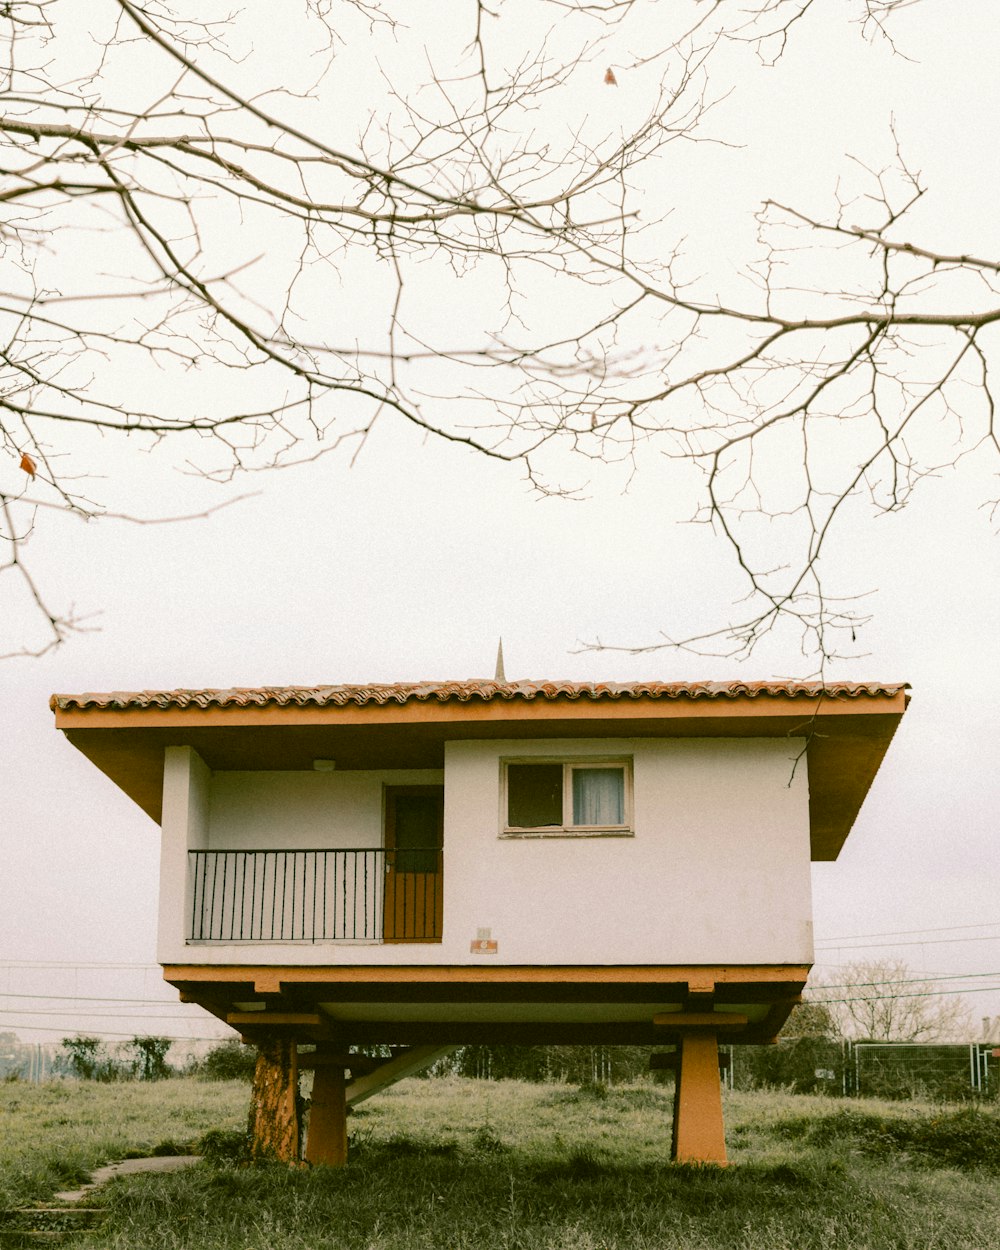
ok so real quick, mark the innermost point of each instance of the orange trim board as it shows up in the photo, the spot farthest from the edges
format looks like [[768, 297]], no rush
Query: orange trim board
[[272, 975], [711, 1020]]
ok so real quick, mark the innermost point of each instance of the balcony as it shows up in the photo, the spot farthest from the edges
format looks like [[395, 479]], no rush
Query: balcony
[[354, 895]]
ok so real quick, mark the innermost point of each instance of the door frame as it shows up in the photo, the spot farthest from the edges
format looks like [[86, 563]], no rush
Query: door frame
[[426, 889]]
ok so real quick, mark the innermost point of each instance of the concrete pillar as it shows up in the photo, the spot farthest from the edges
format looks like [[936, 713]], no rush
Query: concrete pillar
[[326, 1141], [699, 1134]]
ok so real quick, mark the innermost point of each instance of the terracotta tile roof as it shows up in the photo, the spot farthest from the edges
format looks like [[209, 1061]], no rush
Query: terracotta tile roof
[[466, 691]]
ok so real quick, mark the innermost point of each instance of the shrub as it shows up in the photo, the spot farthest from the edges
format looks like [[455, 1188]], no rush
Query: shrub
[[486, 1141], [223, 1146], [85, 1058], [597, 1090], [229, 1061], [967, 1138], [149, 1057], [802, 1065]]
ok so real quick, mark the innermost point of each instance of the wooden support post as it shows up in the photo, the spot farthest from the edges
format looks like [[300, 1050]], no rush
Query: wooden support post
[[699, 1134], [273, 1128], [326, 1140]]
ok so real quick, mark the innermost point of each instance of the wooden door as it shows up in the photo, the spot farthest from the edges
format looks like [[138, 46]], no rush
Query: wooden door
[[414, 833]]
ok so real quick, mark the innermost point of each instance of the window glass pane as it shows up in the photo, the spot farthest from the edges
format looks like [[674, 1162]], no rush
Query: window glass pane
[[534, 795], [598, 796]]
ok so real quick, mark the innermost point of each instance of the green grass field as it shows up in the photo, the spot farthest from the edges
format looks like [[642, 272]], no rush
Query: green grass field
[[457, 1165]]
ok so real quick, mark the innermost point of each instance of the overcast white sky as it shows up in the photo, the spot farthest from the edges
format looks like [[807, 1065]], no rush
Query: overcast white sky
[[411, 563]]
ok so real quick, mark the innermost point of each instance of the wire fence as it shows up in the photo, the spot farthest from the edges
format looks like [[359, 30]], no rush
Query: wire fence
[[896, 1070]]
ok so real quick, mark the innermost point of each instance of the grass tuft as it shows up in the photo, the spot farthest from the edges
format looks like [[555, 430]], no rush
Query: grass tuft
[[401, 1145], [487, 1142]]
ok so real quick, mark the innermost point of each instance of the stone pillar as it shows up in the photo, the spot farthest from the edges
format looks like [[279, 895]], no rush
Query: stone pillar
[[699, 1135], [326, 1139]]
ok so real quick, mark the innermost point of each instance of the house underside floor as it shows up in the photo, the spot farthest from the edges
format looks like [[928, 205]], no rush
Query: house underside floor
[[323, 1018]]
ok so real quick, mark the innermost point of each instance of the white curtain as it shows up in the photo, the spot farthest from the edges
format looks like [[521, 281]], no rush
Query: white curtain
[[598, 796]]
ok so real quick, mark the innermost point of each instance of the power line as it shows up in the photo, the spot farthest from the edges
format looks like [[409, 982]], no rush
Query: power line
[[62, 963], [925, 980], [866, 946], [90, 1013], [86, 998], [948, 928], [879, 998], [102, 1033]]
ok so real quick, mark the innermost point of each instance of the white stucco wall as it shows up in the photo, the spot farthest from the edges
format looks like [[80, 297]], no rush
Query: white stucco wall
[[184, 827], [717, 870], [303, 809]]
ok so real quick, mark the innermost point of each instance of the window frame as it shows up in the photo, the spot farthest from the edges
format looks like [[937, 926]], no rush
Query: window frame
[[569, 764]]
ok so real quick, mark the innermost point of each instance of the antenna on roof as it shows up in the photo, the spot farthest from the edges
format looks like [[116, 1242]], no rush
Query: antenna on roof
[[499, 675]]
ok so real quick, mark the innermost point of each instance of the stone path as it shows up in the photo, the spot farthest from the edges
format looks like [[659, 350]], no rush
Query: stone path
[[127, 1167], [52, 1224]]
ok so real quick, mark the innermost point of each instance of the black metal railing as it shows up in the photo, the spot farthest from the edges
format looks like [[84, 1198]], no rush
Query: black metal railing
[[315, 895]]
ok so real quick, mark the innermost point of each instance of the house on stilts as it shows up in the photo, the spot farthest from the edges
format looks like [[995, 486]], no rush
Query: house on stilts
[[422, 866]]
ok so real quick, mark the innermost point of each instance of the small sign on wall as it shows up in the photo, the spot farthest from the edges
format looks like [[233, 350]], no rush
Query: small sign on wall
[[483, 943]]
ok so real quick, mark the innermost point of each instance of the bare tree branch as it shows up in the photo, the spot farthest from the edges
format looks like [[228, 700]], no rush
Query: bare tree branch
[[149, 154]]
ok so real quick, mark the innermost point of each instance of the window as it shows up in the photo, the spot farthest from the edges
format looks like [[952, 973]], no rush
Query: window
[[566, 797]]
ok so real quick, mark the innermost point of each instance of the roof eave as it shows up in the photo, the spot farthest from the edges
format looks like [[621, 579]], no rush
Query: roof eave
[[847, 734]]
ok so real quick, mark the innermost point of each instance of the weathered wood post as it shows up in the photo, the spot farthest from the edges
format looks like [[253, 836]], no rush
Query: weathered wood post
[[273, 1127]]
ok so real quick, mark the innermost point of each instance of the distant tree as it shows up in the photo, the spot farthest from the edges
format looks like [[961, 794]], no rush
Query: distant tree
[[589, 1065], [811, 1019], [11, 1063], [883, 1001], [149, 1057]]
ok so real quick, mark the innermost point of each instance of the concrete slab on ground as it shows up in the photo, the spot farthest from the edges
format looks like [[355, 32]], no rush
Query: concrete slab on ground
[[127, 1167]]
